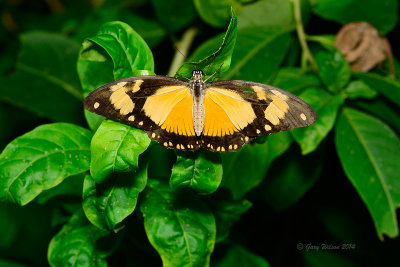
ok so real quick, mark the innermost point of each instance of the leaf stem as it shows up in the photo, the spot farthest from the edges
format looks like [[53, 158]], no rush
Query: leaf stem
[[182, 49], [306, 53]]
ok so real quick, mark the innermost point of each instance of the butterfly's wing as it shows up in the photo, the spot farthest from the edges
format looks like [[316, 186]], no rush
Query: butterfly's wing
[[238, 111], [160, 105]]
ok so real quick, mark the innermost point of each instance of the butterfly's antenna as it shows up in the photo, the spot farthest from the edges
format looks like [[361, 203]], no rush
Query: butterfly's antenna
[[180, 53], [215, 55], [214, 72]]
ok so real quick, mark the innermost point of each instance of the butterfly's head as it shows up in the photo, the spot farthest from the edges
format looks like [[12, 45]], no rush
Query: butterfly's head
[[197, 74]]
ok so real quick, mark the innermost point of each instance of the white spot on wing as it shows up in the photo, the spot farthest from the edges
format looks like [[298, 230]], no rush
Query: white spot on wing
[[96, 105]]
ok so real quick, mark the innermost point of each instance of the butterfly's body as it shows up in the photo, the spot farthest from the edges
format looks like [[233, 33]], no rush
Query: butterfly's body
[[220, 116]]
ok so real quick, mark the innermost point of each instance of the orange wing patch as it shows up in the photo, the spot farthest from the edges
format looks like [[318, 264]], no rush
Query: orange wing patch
[[171, 108], [277, 108], [226, 112]]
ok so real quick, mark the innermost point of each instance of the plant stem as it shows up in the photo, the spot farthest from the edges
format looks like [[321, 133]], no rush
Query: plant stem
[[306, 54], [182, 49]]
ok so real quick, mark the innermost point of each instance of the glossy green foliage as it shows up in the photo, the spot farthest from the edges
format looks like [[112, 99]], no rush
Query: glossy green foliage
[[370, 154], [200, 171], [109, 196], [178, 224], [116, 147], [107, 204], [75, 244], [41, 159]]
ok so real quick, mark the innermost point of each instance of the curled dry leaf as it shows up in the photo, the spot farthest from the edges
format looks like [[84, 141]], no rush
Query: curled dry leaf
[[362, 46]]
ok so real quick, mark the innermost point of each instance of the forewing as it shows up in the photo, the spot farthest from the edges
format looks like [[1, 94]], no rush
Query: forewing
[[246, 110], [160, 105]]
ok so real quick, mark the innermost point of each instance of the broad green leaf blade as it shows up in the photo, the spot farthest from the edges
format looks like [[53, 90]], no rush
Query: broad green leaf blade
[[174, 14], [290, 178], [237, 255], [200, 171], [326, 106], [45, 81], [259, 52], [215, 12], [334, 70], [75, 244], [220, 59], [370, 154], [387, 86], [266, 13], [294, 80], [126, 48], [359, 89], [178, 224], [382, 14], [116, 147], [107, 204], [247, 168], [226, 211], [41, 159]]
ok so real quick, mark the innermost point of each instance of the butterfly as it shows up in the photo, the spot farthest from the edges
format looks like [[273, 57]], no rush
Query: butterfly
[[219, 116]]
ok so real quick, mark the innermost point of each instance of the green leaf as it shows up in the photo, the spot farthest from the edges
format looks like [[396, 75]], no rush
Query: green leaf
[[387, 86], [327, 41], [294, 80], [200, 171], [290, 178], [174, 14], [259, 52], [69, 187], [126, 48], [326, 106], [75, 244], [42, 159], [116, 147], [107, 204], [247, 168], [219, 60], [215, 12], [382, 14], [370, 154], [178, 224], [266, 13], [227, 211], [359, 89], [45, 81], [237, 255], [334, 70]]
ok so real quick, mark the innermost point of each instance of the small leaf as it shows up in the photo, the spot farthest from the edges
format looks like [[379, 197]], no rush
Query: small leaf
[[42, 159], [247, 168], [370, 154], [75, 244], [382, 14], [237, 255], [107, 204], [116, 147], [174, 14], [200, 171], [178, 224], [326, 106], [219, 60], [126, 48], [387, 86], [359, 89], [45, 81], [334, 70]]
